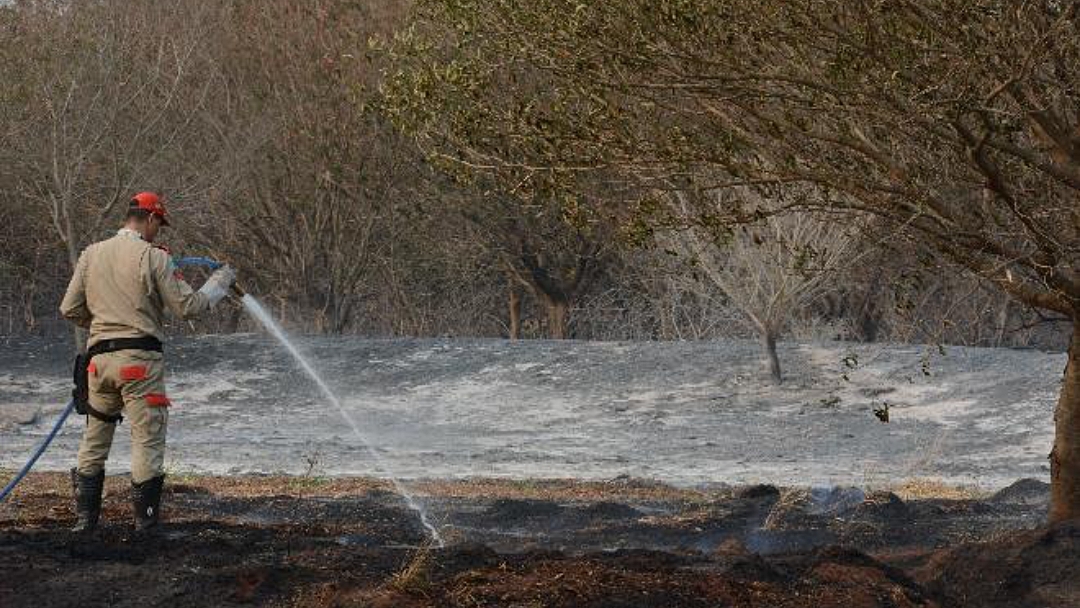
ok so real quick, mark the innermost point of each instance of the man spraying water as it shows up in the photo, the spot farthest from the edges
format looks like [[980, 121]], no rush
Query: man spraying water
[[120, 291]]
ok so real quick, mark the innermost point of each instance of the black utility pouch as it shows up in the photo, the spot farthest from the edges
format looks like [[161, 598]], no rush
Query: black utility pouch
[[81, 393]]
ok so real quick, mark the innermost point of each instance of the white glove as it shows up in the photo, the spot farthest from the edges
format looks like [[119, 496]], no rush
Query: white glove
[[218, 284]]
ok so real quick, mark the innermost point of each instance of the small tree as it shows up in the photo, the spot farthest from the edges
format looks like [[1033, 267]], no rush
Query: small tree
[[541, 249], [770, 270]]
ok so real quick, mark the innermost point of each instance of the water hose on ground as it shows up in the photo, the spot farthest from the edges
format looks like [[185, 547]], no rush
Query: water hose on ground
[[37, 453]]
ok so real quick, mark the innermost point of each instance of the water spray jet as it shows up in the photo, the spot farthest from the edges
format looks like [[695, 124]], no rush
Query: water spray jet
[[260, 314], [256, 310]]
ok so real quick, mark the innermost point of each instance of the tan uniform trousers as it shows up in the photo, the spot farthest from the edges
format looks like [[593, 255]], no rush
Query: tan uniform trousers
[[131, 382]]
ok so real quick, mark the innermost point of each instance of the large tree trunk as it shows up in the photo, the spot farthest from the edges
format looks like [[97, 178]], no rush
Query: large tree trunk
[[868, 319], [1065, 458], [557, 312], [768, 340], [515, 313]]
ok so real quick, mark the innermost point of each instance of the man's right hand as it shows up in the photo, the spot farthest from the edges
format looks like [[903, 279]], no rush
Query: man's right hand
[[218, 284]]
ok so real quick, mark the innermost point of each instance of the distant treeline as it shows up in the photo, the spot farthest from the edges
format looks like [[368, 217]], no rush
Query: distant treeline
[[542, 169]]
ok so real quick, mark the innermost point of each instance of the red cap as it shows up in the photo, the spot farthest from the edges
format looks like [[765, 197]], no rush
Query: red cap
[[148, 201]]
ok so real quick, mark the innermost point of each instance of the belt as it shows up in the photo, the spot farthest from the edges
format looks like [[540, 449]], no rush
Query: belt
[[115, 344]]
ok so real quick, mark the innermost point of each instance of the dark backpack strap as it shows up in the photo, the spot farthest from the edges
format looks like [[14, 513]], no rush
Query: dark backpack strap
[[90, 411], [81, 393]]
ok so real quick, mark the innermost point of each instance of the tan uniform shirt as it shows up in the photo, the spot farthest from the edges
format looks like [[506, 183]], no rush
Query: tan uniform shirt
[[122, 286]]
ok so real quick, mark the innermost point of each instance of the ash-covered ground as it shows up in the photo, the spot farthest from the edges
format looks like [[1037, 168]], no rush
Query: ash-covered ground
[[682, 413]]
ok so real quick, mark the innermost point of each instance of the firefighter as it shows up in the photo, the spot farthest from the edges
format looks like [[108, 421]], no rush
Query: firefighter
[[120, 291]]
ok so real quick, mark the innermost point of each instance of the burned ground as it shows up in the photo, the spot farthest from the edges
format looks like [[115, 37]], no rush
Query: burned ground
[[280, 541]]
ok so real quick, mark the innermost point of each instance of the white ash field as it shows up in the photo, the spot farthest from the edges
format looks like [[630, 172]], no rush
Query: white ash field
[[685, 413]]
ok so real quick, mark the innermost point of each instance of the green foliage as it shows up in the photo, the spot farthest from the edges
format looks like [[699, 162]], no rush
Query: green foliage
[[951, 119]]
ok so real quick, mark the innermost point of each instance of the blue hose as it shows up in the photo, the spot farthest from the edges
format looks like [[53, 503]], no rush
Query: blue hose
[[198, 261], [37, 454]]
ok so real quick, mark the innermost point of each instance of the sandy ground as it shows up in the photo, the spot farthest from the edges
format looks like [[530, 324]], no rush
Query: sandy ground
[[682, 413], [313, 541]]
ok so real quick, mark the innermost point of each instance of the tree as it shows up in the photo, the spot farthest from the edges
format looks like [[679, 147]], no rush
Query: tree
[[313, 185], [770, 270], [552, 256], [952, 121], [100, 109], [549, 240]]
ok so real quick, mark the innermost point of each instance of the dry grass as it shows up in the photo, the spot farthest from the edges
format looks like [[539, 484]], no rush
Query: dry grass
[[414, 578], [559, 490], [923, 489], [54, 488], [790, 499]]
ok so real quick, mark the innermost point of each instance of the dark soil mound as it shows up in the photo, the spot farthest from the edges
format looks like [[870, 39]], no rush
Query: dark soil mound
[[511, 510], [882, 505], [758, 491], [610, 510], [1026, 569], [1023, 492]]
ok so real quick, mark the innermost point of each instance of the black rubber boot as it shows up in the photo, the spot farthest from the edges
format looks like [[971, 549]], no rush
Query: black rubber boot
[[146, 497], [87, 500]]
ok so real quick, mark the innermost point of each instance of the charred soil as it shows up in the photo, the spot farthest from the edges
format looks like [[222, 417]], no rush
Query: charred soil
[[280, 541]]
